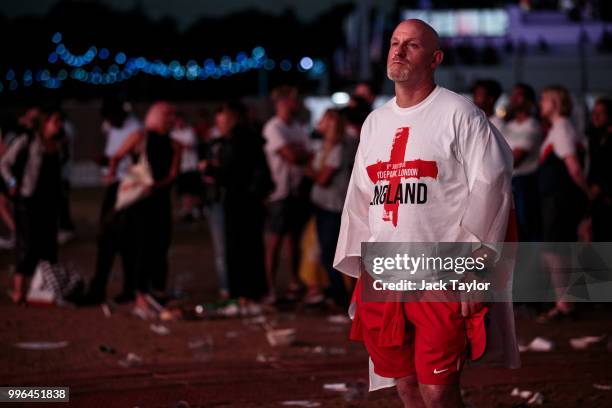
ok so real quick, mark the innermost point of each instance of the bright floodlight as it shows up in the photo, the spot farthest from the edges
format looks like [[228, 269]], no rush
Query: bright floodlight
[[340, 98]]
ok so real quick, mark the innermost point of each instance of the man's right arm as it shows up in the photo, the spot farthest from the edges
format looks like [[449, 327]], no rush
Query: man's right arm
[[355, 226]]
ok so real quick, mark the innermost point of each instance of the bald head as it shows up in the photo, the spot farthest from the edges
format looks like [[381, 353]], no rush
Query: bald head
[[414, 53], [160, 117], [427, 32]]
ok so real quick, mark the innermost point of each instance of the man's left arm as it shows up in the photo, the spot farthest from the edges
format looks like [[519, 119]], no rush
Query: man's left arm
[[487, 162]]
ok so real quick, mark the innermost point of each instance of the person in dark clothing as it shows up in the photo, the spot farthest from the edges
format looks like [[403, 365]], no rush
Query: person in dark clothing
[[149, 220], [31, 169], [243, 175], [600, 172], [111, 240]]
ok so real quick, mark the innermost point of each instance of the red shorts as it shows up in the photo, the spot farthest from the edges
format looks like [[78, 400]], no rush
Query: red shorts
[[428, 339]]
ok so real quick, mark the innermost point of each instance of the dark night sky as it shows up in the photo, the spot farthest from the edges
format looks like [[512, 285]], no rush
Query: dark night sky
[[186, 11]]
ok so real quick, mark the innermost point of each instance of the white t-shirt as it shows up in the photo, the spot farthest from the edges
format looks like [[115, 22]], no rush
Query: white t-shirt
[[455, 170], [452, 175], [563, 139], [114, 140], [286, 176], [188, 140], [331, 197], [527, 136]]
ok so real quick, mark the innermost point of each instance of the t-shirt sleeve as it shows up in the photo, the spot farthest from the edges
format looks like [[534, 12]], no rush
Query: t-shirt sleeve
[[487, 162], [355, 224], [563, 142], [275, 139]]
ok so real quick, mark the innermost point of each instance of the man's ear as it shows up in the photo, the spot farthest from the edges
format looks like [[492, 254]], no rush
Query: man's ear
[[438, 56]]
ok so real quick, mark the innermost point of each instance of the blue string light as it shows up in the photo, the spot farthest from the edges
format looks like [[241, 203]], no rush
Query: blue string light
[[124, 67]]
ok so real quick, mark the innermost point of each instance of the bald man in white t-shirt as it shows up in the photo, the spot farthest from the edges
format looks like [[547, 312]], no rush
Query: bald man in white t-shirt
[[429, 168]]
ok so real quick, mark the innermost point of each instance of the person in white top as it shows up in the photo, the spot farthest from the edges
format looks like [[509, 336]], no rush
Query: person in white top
[[564, 190], [485, 93], [524, 135], [429, 168], [188, 183], [287, 151]]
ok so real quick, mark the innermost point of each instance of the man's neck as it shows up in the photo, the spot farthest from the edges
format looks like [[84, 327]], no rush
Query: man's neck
[[407, 96]]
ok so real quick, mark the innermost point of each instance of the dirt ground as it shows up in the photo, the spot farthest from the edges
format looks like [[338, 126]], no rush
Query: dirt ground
[[229, 363]]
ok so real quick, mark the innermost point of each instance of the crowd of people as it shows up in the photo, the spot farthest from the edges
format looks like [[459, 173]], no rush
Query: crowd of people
[[562, 177], [275, 192]]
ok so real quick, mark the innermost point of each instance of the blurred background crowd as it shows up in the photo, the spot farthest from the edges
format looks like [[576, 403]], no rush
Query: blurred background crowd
[[249, 122]]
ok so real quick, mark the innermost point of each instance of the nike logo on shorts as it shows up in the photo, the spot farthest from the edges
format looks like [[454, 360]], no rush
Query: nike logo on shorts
[[436, 371]]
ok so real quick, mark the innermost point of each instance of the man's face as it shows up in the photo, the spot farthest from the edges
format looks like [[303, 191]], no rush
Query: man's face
[[517, 100], [365, 92], [411, 55], [481, 98], [168, 118], [599, 116], [224, 121], [289, 104]]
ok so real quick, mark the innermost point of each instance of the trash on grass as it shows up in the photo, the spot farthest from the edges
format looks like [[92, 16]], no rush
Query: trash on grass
[[262, 358], [536, 399], [159, 329], [301, 403], [41, 345], [331, 351], [337, 387], [602, 387], [539, 344], [280, 337], [582, 343], [167, 315], [106, 310], [130, 360], [339, 319]]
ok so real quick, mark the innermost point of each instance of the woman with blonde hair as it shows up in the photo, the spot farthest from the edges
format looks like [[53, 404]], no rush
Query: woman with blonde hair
[[149, 221], [563, 189]]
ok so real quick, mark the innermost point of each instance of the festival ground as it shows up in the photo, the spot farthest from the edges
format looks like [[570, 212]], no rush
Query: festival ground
[[229, 363]]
